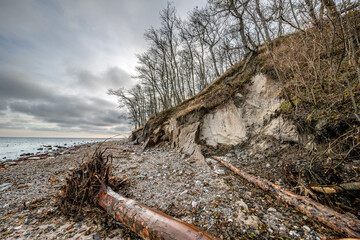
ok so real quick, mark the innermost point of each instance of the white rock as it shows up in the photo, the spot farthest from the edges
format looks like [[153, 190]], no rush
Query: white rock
[[267, 165], [271, 209], [306, 228], [194, 204], [220, 171], [198, 183], [5, 186], [18, 227]]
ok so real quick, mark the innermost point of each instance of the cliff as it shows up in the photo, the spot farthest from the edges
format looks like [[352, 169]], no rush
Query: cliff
[[279, 114]]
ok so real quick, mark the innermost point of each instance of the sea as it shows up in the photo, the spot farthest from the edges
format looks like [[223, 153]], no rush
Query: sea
[[11, 148]]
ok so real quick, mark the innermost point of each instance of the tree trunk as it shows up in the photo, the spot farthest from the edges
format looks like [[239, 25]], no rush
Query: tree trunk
[[327, 216], [146, 222]]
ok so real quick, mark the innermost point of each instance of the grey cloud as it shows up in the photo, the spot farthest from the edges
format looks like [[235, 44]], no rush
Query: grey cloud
[[10, 125], [70, 112], [20, 95], [97, 40], [113, 77], [17, 85]]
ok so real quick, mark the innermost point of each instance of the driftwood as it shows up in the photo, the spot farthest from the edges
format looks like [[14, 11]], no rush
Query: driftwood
[[146, 222], [325, 215], [353, 186], [92, 184]]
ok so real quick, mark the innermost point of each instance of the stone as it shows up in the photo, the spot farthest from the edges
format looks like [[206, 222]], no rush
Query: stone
[[10, 163], [251, 221], [5, 186], [34, 158], [306, 228], [242, 205], [271, 209], [194, 204], [220, 171]]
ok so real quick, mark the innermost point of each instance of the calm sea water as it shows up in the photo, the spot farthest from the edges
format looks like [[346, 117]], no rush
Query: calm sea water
[[13, 147]]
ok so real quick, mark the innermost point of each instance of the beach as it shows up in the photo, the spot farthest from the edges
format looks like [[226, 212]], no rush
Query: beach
[[198, 192]]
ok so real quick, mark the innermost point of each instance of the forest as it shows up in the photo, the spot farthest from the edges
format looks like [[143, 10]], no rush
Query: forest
[[318, 38]]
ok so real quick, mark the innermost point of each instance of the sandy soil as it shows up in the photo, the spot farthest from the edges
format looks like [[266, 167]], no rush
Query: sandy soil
[[202, 193]]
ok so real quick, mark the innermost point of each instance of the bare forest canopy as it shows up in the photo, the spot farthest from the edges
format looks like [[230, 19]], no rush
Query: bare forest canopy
[[311, 46]]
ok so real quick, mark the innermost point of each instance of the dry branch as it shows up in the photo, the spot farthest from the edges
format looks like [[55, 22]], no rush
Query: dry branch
[[327, 216], [353, 186]]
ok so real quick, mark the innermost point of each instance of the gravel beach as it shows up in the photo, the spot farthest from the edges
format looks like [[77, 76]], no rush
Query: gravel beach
[[202, 193]]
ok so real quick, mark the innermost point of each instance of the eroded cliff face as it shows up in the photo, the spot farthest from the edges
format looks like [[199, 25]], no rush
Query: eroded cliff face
[[250, 115]]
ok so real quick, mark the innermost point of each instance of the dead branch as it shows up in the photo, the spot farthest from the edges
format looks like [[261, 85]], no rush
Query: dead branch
[[353, 186], [327, 216]]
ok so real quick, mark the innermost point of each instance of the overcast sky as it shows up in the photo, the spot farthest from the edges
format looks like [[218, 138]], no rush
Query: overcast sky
[[58, 58]]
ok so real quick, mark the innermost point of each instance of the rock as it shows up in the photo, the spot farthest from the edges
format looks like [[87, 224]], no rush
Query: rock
[[5, 186], [246, 115], [34, 158], [242, 205], [251, 221], [220, 172], [294, 234], [194, 204], [271, 209], [306, 228], [10, 163], [267, 165], [282, 130]]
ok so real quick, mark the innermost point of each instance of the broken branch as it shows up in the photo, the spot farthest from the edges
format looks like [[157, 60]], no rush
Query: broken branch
[[354, 186]]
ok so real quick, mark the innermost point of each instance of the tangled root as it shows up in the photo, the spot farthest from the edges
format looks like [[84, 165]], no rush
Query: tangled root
[[84, 182]]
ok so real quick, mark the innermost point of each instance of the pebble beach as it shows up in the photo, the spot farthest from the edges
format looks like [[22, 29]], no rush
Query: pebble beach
[[202, 193]]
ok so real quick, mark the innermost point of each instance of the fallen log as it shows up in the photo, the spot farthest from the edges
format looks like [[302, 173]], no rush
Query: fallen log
[[353, 186], [146, 222], [90, 184], [325, 215]]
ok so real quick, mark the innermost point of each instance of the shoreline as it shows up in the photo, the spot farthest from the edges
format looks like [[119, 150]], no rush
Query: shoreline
[[44, 150]]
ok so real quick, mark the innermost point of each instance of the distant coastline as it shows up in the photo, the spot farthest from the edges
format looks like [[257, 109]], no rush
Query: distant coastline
[[13, 148]]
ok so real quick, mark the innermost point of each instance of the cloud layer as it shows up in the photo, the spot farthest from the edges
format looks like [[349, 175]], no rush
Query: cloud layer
[[58, 58]]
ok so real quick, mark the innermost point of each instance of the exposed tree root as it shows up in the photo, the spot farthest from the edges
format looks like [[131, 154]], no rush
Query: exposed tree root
[[327, 216]]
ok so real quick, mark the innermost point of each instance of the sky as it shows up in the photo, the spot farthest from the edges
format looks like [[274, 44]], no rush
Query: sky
[[58, 58]]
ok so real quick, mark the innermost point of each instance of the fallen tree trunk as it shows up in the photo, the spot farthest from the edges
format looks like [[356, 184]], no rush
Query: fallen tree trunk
[[91, 184], [325, 215], [354, 186], [146, 222]]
